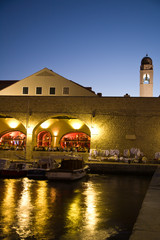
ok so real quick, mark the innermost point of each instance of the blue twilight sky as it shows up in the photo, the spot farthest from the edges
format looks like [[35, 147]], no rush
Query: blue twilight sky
[[96, 43]]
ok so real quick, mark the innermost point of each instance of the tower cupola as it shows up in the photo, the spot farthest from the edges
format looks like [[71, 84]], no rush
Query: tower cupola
[[146, 63]]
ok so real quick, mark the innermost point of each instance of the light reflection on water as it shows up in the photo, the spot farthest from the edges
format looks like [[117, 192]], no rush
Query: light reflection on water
[[91, 215], [8, 206], [94, 208], [23, 211], [41, 212]]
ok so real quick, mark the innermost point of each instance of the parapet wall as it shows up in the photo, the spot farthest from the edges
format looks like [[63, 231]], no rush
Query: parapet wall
[[122, 168]]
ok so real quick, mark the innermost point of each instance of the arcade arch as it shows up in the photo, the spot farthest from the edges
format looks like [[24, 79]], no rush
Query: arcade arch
[[12, 134], [78, 141], [53, 133], [13, 140]]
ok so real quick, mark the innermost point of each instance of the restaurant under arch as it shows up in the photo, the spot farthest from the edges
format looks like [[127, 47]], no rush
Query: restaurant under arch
[[44, 139], [78, 141], [12, 140]]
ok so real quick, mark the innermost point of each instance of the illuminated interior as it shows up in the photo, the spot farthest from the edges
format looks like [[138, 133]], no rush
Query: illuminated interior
[[44, 139], [75, 140], [146, 78], [13, 140]]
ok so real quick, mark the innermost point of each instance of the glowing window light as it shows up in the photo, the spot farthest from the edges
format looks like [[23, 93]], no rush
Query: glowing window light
[[146, 78]]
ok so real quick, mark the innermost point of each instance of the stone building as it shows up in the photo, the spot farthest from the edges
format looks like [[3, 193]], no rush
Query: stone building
[[46, 113]]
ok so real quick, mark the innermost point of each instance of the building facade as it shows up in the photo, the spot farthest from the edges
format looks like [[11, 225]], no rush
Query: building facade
[[48, 113]]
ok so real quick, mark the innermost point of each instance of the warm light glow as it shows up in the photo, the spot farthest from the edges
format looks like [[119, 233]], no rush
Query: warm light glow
[[29, 130], [53, 195], [76, 139], [46, 124], [13, 123], [76, 124], [42, 210], [24, 210], [94, 130], [7, 206], [91, 213], [146, 78], [55, 134], [74, 213], [55, 141]]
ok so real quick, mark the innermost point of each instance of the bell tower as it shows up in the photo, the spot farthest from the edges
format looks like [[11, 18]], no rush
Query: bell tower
[[146, 77]]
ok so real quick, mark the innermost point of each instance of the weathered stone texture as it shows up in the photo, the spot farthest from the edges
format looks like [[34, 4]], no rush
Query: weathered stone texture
[[122, 168], [116, 118]]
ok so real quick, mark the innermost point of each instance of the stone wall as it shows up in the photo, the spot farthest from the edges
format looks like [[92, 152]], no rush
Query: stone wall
[[122, 168], [122, 122]]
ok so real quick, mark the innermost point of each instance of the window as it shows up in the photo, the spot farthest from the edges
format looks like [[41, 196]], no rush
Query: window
[[66, 90], [146, 78], [38, 90], [52, 90], [25, 90]]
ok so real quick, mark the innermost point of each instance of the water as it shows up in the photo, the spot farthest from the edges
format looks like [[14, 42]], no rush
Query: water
[[98, 207]]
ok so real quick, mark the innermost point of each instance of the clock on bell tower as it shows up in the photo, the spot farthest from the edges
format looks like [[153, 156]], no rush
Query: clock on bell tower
[[146, 77]]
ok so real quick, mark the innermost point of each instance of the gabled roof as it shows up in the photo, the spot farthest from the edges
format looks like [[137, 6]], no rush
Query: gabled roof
[[45, 79], [6, 83]]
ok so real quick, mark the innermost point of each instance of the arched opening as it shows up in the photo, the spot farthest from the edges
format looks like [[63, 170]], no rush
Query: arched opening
[[52, 134], [44, 139], [13, 140], [75, 141], [146, 78]]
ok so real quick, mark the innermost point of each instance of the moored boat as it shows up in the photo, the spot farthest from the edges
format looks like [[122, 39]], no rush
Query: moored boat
[[40, 168], [15, 170], [37, 173], [4, 163], [72, 169]]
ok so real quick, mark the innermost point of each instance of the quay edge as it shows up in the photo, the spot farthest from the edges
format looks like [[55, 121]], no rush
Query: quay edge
[[147, 226], [122, 168]]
